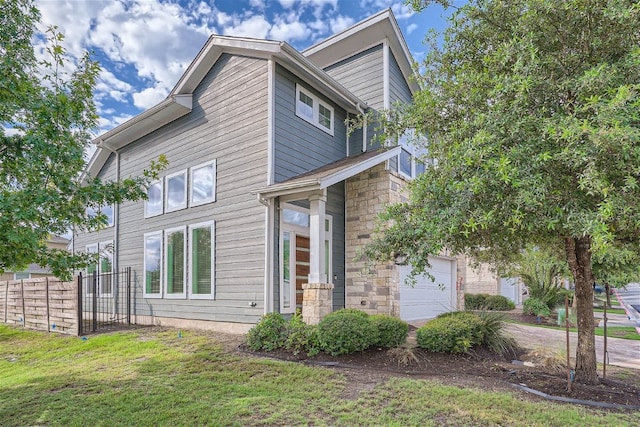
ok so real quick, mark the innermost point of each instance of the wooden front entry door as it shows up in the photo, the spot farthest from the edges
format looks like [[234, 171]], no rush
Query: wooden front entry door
[[302, 266]]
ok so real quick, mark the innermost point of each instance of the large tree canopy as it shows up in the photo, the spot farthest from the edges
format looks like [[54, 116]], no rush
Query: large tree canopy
[[49, 104], [531, 110]]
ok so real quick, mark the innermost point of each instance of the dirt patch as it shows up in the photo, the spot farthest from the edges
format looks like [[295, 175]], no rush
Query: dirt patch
[[480, 368]]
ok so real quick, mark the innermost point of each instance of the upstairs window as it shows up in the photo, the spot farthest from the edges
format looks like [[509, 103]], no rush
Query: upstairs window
[[153, 204], [311, 109], [176, 191], [203, 183], [105, 210], [408, 163]]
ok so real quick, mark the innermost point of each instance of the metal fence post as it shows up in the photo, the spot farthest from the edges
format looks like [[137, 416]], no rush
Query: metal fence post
[[94, 289], [128, 295], [79, 305]]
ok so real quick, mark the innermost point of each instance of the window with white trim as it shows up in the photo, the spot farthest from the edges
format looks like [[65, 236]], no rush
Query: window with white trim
[[92, 269], [176, 187], [154, 203], [175, 262], [202, 256], [203, 183], [409, 164], [311, 109], [106, 210], [152, 277], [105, 268]]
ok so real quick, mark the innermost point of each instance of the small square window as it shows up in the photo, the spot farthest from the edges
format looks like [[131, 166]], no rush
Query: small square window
[[325, 116], [176, 191], [21, 275], [304, 105], [153, 204], [203, 184], [404, 164]]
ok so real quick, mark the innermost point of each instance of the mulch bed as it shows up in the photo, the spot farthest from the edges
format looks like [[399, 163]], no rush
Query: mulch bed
[[480, 368]]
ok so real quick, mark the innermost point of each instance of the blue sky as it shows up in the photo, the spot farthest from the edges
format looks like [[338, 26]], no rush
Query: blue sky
[[144, 46]]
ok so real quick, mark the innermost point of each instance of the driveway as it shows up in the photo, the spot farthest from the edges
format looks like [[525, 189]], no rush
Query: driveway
[[624, 353]]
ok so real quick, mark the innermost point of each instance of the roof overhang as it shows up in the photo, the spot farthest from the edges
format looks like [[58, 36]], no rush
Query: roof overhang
[[327, 176], [361, 36]]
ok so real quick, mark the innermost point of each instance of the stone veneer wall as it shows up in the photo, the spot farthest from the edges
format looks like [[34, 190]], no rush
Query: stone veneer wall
[[375, 291]]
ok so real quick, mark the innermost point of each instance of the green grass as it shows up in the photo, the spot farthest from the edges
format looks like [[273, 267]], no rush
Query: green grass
[[623, 332], [610, 311], [154, 378]]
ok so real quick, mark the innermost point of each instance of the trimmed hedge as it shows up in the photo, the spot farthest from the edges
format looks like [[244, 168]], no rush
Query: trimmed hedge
[[499, 303], [392, 331], [345, 331], [475, 301], [476, 326], [445, 335], [268, 334]]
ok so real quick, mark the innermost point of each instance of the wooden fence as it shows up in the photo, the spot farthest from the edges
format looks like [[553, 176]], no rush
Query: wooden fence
[[45, 304]]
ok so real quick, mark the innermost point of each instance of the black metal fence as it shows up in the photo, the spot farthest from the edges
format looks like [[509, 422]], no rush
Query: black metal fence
[[104, 301]]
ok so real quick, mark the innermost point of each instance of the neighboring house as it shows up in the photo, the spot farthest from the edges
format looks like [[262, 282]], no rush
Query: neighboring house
[[266, 201], [481, 279], [34, 271]]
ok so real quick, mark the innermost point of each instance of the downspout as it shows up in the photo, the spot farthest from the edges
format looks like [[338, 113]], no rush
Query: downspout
[[268, 253], [364, 128]]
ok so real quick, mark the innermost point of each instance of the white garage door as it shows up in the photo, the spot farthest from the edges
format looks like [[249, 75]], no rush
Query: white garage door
[[427, 298]]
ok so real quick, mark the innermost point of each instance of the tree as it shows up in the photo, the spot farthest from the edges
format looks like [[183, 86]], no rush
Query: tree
[[531, 112], [50, 105]]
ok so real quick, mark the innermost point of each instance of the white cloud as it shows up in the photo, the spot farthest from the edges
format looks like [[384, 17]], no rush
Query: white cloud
[[149, 97], [257, 4], [294, 30], [12, 131], [109, 85], [411, 28], [401, 10], [287, 4], [255, 26], [340, 23]]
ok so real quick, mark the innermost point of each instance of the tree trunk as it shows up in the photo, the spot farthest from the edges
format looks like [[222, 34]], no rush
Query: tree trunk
[[579, 260]]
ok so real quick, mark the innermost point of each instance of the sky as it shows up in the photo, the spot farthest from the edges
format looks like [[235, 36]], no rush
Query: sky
[[144, 46]]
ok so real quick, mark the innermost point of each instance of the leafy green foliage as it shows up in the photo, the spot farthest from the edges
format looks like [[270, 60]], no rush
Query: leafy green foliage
[[493, 335], [269, 334], [344, 331], [531, 112], [474, 301], [50, 106], [536, 306], [392, 331], [499, 302], [301, 337], [472, 320], [445, 335]]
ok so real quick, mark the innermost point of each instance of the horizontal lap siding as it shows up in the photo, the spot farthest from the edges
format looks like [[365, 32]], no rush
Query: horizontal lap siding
[[228, 123], [335, 208], [299, 145], [398, 88]]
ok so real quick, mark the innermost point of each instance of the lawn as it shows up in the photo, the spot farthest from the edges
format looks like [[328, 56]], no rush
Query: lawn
[[157, 377]]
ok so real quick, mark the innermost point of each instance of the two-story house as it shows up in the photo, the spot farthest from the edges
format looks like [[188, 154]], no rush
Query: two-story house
[[267, 199]]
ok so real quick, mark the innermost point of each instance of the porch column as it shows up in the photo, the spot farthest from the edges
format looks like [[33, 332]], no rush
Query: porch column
[[317, 272], [317, 298]]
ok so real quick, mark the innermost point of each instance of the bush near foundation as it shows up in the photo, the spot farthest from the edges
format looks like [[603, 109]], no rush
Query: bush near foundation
[[445, 335], [498, 303], [301, 337], [392, 331], [346, 331], [268, 334], [475, 301]]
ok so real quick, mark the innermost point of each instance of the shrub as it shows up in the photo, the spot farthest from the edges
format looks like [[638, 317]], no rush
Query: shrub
[[499, 303], [445, 335], [493, 333], [391, 331], [301, 337], [345, 331], [269, 334], [536, 307], [472, 320], [474, 301], [353, 311]]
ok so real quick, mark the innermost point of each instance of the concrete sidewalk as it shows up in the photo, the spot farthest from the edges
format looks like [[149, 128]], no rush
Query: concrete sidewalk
[[621, 352]]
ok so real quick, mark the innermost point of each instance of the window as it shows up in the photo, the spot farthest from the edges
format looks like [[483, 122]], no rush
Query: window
[[314, 111], [203, 183], [202, 254], [175, 261], [21, 275], [153, 204], [105, 268], [152, 265], [408, 163], [106, 211], [286, 272], [176, 191], [92, 269]]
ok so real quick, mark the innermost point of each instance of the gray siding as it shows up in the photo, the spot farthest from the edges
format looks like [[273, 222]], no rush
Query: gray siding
[[299, 145], [398, 88], [335, 208], [228, 123], [362, 74]]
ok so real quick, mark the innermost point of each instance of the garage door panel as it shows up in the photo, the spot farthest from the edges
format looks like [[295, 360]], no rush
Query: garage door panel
[[428, 298]]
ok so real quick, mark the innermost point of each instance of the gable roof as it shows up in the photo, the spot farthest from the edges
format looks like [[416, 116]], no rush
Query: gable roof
[[361, 36], [328, 175], [179, 101]]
